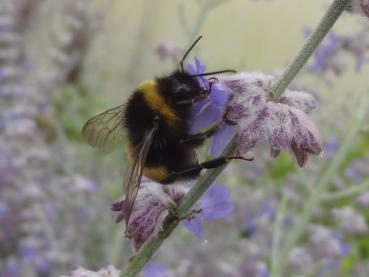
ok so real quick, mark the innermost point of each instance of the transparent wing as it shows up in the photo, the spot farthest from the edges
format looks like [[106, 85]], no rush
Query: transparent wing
[[135, 176], [105, 129]]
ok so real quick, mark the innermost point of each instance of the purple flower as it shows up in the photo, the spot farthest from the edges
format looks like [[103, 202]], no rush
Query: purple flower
[[351, 221], [299, 259], [169, 50], [11, 268], [210, 110], [324, 52], [360, 7], [214, 205], [356, 171], [221, 139], [326, 243], [148, 214], [151, 206], [284, 124], [254, 268], [4, 210], [154, 269], [331, 147]]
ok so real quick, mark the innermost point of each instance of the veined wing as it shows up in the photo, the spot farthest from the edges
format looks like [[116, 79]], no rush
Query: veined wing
[[105, 129], [135, 176]]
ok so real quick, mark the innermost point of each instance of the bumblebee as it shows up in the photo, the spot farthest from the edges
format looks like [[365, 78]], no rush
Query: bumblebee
[[155, 119]]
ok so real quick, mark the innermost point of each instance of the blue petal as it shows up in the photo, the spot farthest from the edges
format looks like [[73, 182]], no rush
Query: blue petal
[[217, 192], [196, 69], [207, 116], [218, 95], [200, 67], [217, 211], [195, 226], [191, 69], [215, 203], [324, 52], [221, 139], [154, 269]]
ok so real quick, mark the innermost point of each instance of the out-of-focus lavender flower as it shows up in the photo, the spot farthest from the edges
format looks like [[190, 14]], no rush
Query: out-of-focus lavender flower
[[326, 243], [255, 219], [356, 171], [284, 124], [331, 147], [36, 239], [254, 269], [109, 271], [155, 269], [360, 7], [350, 221], [299, 260], [357, 44], [4, 210], [363, 200], [215, 204], [325, 52], [73, 42], [328, 59], [170, 50]]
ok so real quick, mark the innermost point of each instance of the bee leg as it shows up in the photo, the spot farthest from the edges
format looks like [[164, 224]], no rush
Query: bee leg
[[198, 139], [192, 101], [195, 170]]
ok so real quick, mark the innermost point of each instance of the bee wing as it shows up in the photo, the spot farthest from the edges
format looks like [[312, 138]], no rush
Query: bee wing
[[105, 129], [135, 176]]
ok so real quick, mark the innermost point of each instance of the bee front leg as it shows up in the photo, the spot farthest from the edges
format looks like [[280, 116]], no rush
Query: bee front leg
[[198, 139]]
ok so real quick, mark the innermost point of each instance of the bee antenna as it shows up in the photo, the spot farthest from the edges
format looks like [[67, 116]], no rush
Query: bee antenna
[[188, 52], [215, 72]]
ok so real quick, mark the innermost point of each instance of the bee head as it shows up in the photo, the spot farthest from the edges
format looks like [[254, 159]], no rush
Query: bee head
[[179, 86]]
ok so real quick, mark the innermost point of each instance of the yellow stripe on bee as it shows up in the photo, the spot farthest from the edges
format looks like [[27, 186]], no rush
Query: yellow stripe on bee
[[151, 92], [157, 173]]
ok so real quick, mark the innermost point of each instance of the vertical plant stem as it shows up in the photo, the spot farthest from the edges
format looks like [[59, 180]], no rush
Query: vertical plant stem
[[277, 230], [315, 197], [325, 24]]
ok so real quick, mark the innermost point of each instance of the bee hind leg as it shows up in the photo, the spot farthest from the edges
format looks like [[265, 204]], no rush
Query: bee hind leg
[[195, 170]]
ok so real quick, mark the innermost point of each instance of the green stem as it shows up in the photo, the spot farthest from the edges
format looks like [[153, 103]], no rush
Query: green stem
[[277, 230], [144, 255], [319, 189], [353, 190], [184, 208], [325, 24]]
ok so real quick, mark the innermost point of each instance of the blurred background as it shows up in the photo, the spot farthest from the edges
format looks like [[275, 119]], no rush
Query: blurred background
[[61, 62]]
